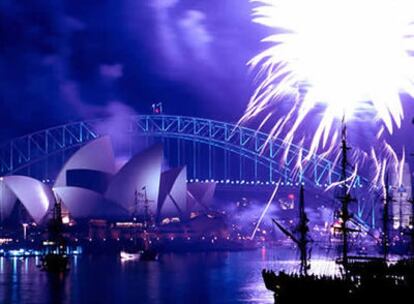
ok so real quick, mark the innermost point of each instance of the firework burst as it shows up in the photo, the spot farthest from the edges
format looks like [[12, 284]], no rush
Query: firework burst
[[344, 57]]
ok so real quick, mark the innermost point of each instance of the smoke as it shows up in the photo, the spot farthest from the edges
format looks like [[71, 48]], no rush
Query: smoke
[[111, 71], [115, 118], [164, 4], [66, 61], [69, 91], [195, 35], [183, 36], [244, 214], [117, 123], [33, 64]]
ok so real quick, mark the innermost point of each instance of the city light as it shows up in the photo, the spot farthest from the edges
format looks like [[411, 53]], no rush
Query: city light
[[170, 151]]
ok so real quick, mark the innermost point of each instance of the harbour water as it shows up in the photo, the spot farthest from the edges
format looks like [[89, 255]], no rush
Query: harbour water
[[214, 277]]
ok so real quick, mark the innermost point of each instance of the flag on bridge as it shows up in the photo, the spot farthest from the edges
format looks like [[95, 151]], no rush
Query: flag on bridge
[[157, 108]]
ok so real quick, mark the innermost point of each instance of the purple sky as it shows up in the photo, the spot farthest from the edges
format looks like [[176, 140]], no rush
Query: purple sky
[[69, 60]]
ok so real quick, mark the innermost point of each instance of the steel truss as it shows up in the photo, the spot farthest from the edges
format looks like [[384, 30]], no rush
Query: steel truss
[[22, 152], [194, 142]]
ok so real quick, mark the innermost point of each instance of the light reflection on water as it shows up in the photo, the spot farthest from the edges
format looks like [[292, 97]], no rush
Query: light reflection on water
[[233, 277]]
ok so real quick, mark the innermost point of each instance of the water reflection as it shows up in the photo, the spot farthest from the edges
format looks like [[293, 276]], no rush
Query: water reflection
[[178, 278]]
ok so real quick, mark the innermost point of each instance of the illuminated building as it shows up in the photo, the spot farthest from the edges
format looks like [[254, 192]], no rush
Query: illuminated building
[[36, 197], [90, 188], [402, 211]]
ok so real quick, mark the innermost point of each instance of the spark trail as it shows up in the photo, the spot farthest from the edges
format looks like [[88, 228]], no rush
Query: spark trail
[[342, 58], [265, 210]]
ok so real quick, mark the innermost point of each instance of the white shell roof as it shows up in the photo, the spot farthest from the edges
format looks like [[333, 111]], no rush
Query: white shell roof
[[85, 203], [7, 200], [35, 196], [168, 192], [173, 194], [143, 171], [97, 155], [200, 195]]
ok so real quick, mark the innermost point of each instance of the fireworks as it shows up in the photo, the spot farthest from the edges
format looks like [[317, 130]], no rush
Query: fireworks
[[342, 57], [265, 210]]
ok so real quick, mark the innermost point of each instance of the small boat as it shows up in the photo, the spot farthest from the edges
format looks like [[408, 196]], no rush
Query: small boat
[[141, 255], [53, 262], [129, 256], [149, 255]]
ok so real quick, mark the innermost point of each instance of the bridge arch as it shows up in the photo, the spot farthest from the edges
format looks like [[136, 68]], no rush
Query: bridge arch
[[243, 160], [236, 141]]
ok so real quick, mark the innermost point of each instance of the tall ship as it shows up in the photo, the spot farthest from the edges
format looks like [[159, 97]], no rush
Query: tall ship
[[361, 278], [143, 251]]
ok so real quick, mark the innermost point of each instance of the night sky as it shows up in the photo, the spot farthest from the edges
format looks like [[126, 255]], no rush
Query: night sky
[[62, 61]]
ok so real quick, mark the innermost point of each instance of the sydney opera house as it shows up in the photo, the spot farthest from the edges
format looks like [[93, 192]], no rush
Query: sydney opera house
[[92, 187]]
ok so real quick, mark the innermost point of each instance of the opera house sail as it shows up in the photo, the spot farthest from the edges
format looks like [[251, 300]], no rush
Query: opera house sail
[[90, 187], [143, 171], [34, 196]]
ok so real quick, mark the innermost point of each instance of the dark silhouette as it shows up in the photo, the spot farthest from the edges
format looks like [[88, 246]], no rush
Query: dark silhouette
[[55, 258], [363, 280]]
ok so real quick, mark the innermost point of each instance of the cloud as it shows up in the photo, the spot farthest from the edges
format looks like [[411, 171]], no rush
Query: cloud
[[164, 4], [195, 35], [116, 123], [111, 71], [73, 24], [183, 37], [167, 36], [70, 93]]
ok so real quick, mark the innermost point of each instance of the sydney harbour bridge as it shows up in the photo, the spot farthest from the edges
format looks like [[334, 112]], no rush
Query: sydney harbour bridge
[[229, 154]]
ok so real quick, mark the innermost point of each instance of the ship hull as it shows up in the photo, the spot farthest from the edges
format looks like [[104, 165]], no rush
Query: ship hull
[[290, 288], [55, 263]]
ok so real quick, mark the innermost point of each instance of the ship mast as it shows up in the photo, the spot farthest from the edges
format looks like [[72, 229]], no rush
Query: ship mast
[[147, 220], [345, 198], [1, 200], [303, 230], [55, 227], [146, 209], [135, 206], [385, 220], [412, 227], [57, 212]]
